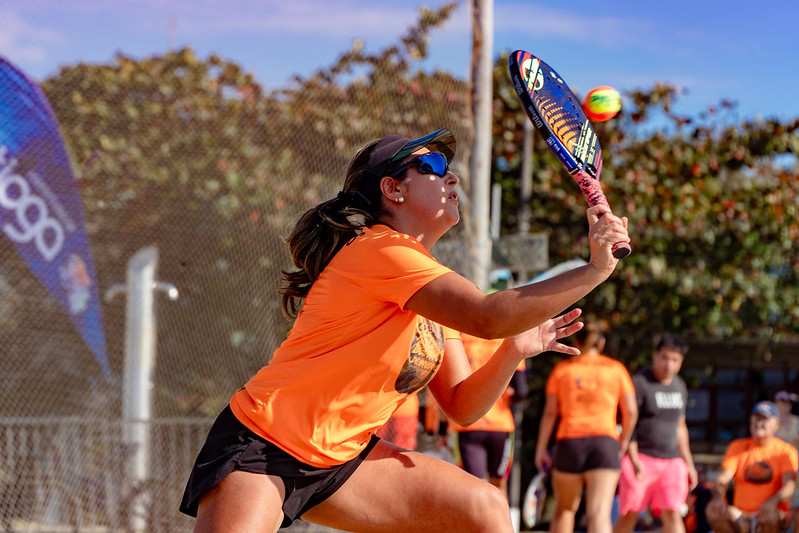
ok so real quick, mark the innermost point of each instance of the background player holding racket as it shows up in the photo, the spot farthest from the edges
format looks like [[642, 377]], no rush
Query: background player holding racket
[[402, 427], [585, 392], [486, 446], [298, 440]]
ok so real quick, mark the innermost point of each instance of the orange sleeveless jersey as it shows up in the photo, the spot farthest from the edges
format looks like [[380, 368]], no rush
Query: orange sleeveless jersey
[[588, 388], [353, 355], [758, 471], [499, 417]]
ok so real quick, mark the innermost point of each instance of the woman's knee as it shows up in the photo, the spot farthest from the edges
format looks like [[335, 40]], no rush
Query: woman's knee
[[488, 509], [598, 517], [568, 506], [670, 516]]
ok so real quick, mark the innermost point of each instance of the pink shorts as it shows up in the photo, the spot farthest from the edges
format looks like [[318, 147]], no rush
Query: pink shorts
[[664, 486]]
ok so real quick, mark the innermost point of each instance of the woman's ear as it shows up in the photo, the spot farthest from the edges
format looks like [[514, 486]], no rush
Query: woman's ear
[[390, 188]]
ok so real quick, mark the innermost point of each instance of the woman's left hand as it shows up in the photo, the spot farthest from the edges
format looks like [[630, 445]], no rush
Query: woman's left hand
[[545, 337]]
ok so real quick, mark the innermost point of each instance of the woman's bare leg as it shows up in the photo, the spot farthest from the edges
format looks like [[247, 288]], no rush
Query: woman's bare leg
[[242, 502], [568, 489], [673, 522], [600, 487], [626, 523], [403, 491]]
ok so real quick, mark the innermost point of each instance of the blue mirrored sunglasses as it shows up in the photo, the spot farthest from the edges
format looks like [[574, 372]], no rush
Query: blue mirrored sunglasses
[[432, 163]]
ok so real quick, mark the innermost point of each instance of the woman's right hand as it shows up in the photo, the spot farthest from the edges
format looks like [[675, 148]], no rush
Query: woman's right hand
[[604, 230], [542, 460], [638, 469]]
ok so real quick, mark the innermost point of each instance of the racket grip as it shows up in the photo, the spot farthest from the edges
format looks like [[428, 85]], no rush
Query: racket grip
[[621, 250], [592, 191]]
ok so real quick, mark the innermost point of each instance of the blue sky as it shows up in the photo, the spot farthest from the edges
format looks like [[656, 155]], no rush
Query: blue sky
[[715, 49]]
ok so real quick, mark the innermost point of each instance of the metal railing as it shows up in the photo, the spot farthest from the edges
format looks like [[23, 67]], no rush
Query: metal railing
[[70, 474]]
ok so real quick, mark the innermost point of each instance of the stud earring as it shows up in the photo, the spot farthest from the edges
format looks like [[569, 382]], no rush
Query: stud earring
[[400, 199]]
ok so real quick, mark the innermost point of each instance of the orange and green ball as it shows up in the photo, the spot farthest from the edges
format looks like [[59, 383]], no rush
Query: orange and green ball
[[601, 103]]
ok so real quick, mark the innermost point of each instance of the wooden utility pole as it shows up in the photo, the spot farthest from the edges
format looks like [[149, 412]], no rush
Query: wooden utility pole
[[480, 160]]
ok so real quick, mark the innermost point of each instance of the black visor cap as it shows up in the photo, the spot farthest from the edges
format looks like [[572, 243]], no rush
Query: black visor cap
[[393, 148]]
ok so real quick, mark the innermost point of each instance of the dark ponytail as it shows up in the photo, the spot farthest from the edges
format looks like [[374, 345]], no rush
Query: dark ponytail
[[590, 336], [324, 229]]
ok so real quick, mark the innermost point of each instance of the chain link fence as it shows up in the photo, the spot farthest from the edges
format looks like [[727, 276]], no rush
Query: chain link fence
[[212, 186]]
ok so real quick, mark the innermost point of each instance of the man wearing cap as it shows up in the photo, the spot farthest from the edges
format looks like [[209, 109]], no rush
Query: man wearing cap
[[763, 468]]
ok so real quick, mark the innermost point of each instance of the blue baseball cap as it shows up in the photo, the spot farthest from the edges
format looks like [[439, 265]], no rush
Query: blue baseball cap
[[767, 409], [785, 396]]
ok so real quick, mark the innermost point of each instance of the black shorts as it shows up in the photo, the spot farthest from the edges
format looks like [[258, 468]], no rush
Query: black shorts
[[230, 446], [576, 456], [485, 454]]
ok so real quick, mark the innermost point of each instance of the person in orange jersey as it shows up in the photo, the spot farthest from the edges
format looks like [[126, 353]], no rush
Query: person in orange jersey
[[583, 395], [372, 308], [403, 426], [486, 446], [763, 469]]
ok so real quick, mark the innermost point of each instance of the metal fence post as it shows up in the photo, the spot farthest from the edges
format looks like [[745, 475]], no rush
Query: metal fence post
[[137, 385]]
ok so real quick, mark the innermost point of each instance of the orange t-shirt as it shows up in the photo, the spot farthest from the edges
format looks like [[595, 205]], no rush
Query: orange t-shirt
[[410, 407], [758, 471], [353, 354], [588, 388], [402, 426], [499, 417]]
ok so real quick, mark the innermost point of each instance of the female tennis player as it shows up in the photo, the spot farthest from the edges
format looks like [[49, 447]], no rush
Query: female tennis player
[[373, 308], [583, 395]]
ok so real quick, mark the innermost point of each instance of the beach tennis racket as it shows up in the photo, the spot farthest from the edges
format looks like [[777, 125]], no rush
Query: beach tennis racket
[[534, 500], [557, 115]]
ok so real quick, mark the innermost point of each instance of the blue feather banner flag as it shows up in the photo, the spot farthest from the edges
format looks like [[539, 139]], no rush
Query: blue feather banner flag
[[40, 205]]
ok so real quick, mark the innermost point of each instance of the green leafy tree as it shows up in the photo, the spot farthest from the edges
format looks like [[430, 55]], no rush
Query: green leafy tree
[[195, 157], [172, 154], [712, 205], [712, 210]]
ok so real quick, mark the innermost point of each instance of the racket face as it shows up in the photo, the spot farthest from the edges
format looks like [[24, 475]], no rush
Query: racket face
[[556, 113], [534, 500]]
